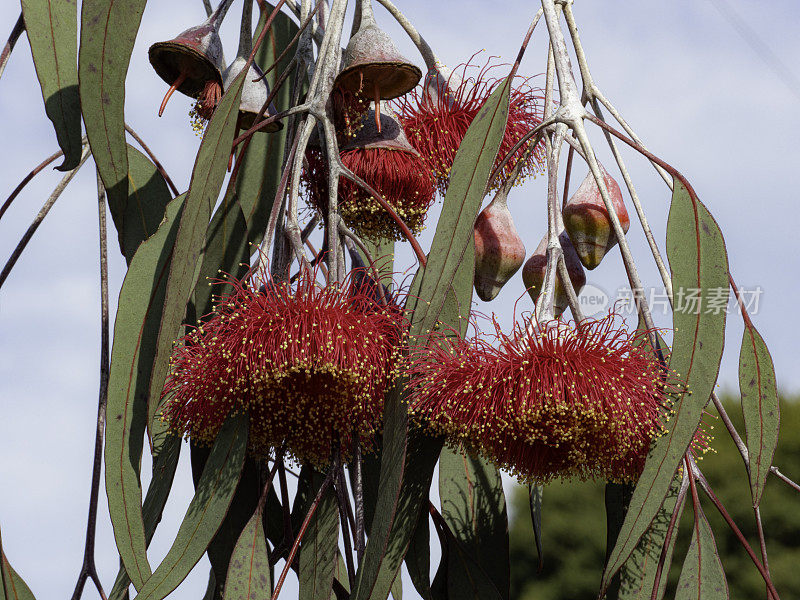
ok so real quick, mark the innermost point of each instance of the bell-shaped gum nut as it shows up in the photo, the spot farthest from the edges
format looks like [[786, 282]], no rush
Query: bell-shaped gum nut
[[587, 222], [255, 92], [194, 55], [499, 251], [533, 272], [374, 66]]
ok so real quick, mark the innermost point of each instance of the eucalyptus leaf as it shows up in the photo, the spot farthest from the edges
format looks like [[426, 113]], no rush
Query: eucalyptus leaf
[[699, 263], [135, 331], [206, 511], [108, 33], [52, 28], [760, 407]]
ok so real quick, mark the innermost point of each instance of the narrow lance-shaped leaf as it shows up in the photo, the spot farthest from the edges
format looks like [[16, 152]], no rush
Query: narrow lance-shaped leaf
[[207, 178], [422, 452], [138, 215], [535, 493], [108, 32], [248, 575], [206, 511], [474, 507], [52, 27], [135, 330], [262, 163], [760, 407], [318, 554], [166, 452], [636, 578], [702, 576], [12, 587], [699, 264], [454, 231]]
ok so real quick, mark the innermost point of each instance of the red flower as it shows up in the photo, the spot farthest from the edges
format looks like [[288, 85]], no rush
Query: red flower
[[436, 118], [401, 177], [558, 403], [310, 364]]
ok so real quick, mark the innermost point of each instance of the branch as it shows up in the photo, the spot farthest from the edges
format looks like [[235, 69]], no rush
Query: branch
[[19, 27], [88, 569], [40, 217]]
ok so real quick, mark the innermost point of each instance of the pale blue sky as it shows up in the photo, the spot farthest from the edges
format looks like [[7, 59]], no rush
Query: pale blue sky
[[695, 90]]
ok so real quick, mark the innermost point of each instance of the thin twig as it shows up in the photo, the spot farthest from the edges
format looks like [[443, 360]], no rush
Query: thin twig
[[19, 27], [358, 493], [36, 170], [742, 540], [287, 510], [152, 156], [88, 569], [341, 499], [301, 533], [207, 6], [673, 521], [40, 217]]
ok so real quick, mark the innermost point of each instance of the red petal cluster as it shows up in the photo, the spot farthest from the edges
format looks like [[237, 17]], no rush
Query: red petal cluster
[[553, 403], [402, 178], [436, 123], [310, 364]]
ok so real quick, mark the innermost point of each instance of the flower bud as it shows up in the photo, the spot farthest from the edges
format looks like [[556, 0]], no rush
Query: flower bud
[[587, 222], [534, 271], [499, 251]]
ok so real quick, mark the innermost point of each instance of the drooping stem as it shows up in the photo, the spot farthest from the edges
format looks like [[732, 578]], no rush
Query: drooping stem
[[341, 500], [358, 487], [88, 569], [736, 531], [673, 521], [19, 27], [287, 513], [152, 156], [36, 170], [301, 533], [40, 217]]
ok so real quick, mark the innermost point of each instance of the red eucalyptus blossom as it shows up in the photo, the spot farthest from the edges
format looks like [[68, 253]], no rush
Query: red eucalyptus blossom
[[436, 118], [310, 364], [557, 402], [386, 161]]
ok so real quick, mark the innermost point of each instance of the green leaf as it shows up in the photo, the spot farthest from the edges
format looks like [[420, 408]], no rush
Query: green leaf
[[318, 554], [454, 231], [397, 589], [702, 576], [759, 406], [474, 507], [248, 576], [636, 578], [52, 27], [699, 263], [535, 493], [474, 583], [262, 163], [135, 330], [15, 587], [226, 251], [138, 216], [398, 511], [243, 505], [207, 178], [418, 557], [166, 453], [108, 32], [206, 511]]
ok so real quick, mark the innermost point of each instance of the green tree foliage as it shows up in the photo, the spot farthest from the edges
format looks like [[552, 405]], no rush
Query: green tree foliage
[[573, 524]]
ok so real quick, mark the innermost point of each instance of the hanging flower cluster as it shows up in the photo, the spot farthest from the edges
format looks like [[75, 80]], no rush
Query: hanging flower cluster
[[552, 403], [310, 364], [386, 161], [436, 118]]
